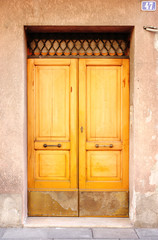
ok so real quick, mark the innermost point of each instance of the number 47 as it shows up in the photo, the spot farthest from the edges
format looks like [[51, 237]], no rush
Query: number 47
[[149, 5]]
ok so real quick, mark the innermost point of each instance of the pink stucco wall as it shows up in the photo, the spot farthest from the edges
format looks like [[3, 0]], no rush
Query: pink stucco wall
[[16, 14]]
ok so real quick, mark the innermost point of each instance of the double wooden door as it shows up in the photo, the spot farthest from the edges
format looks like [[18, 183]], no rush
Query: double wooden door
[[78, 137]]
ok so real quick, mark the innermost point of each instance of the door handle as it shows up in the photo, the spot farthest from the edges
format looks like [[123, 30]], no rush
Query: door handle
[[58, 145], [97, 145]]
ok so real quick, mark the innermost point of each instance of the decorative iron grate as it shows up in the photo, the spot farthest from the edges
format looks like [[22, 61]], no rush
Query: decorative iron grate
[[77, 45]]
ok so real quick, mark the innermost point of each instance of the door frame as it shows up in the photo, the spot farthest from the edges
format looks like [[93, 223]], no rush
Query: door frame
[[88, 28]]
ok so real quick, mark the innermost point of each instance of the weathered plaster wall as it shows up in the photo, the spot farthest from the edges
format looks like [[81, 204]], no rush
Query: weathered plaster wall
[[146, 175], [144, 112]]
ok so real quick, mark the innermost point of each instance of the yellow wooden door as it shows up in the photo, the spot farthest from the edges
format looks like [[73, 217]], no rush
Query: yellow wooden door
[[52, 137], [103, 136], [59, 185]]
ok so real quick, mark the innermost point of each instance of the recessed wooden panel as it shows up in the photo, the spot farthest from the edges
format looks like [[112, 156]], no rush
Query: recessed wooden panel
[[53, 165], [52, 103], [103, 103], [103, 165]]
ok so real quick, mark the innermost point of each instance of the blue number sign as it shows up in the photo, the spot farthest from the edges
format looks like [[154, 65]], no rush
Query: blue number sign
[[148, 5]]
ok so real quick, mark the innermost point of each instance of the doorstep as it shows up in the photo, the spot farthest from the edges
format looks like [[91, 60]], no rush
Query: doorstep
[[77, 222]]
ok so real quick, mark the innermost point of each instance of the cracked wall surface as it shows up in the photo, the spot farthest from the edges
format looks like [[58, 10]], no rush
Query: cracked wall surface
[[16, 14]]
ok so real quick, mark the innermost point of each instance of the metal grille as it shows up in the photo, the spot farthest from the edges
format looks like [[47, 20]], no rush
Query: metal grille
[[77, 45]]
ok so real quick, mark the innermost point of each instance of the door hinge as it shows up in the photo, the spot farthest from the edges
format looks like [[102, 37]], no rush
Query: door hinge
[[124, 82], [81, 128]]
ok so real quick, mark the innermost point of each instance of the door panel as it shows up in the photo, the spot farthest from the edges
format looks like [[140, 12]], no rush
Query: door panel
[[103, 165], [52, 132], [103, 103], [53, 203], [52, 165], [104, 118], [52, 108], [103, 204]]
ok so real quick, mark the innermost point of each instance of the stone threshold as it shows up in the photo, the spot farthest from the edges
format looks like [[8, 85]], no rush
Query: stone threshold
[[92, 222]]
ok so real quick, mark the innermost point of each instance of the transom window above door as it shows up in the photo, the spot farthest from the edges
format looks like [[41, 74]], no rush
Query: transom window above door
[[78, 45]]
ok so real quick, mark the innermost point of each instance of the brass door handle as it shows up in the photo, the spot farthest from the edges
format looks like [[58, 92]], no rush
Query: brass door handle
[[58, 145], [97, 145]]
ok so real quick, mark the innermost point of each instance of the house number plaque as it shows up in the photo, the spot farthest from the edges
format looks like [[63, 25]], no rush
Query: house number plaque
[[148, 6]]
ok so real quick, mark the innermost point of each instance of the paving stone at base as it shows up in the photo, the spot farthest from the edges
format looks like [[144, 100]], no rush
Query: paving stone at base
[[114, 233], [2, 230], [149, 238], [147, 232], [68, 233], [88, 239], [26, 238], [17, 233]]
